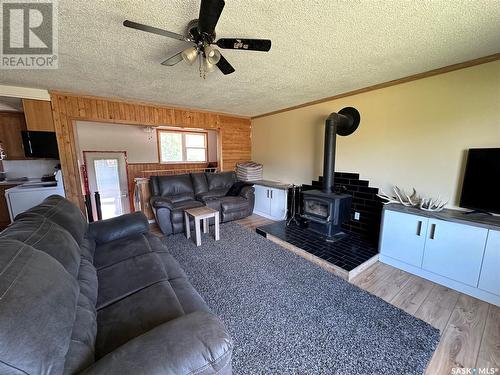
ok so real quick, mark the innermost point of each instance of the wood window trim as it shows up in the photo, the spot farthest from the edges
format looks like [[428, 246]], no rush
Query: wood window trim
[[183, 131]]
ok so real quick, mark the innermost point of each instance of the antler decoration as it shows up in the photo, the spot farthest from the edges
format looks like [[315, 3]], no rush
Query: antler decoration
[[413, 200], [401, 197], [433, 205]]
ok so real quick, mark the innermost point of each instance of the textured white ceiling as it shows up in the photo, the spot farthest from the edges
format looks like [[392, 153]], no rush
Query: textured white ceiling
[[320, 48]]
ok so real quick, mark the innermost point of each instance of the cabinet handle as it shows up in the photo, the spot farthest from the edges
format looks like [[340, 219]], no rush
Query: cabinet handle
[[271, 194], [433, 231], [268, 193], [419, 228]]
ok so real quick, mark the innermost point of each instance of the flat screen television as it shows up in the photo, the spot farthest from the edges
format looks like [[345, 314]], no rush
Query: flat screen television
[[481, 185], [40, 145]]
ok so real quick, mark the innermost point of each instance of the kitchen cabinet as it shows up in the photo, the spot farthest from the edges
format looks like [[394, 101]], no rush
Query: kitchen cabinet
[[447, 247], [11, 125], [270, 202], [38, 115], [490, 272]]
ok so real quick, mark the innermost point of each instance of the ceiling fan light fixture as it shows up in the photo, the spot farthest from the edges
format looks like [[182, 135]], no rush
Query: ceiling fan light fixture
[[212, 55], [189, 55], [208, 66]]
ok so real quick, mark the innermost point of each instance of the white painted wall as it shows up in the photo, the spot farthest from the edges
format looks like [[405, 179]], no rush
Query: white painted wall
[[141, 147]]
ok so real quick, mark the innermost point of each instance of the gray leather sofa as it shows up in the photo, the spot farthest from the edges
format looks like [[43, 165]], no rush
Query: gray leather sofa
[[171, 195], [104, 298]]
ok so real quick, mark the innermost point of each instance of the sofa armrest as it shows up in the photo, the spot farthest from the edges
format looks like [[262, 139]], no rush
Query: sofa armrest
[[247, 192], [119, 227], [196, 343], [159, 202]]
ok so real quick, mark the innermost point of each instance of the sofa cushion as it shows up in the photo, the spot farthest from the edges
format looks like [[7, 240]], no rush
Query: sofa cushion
[[236, 188], [200, 184], [62, 212], [37, 309], [175, 185], [128, 276], [212, 194], [116, 251], [135, 315], [230, 204], [44, 235], [222, 180]]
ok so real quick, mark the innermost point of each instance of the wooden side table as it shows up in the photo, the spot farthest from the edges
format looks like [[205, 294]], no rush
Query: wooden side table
[[201, 213]]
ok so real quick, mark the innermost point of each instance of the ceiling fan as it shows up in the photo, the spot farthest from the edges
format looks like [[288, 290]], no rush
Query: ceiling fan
[[201, 33]]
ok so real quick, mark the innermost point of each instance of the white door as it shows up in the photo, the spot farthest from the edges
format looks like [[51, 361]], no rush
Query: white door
[[107, 174], [262, 200], [278, 203], [403, 237]]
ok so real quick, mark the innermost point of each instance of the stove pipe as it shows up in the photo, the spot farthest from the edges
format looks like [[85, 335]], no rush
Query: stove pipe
[[343, 123]]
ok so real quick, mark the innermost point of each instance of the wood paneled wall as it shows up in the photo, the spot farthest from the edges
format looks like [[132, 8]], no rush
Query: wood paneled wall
[[235, 141]]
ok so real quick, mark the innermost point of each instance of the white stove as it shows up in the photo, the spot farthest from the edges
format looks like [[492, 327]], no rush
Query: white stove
[[22, 197]]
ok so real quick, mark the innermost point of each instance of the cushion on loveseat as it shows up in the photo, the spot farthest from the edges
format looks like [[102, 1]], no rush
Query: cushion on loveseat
[[223, 180]]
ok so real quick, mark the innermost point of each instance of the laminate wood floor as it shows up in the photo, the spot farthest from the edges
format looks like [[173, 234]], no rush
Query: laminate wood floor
[[470, 328]]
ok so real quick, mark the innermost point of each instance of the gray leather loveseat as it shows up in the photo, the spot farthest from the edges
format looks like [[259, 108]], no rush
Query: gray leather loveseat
[[171, 195], [104, 298]]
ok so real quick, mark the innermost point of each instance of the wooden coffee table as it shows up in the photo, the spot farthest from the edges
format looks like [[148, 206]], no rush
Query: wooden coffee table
[[201, 213]]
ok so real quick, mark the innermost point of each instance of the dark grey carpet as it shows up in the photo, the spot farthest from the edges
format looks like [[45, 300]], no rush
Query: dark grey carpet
[[289, 316]]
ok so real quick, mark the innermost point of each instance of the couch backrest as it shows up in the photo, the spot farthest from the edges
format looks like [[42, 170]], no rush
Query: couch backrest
[[62, 212], [38, 300], [65, 330], [176, 188], [223, 180], [200, 184]]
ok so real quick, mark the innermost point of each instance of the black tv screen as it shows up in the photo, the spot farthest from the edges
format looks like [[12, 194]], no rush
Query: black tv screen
[[40, 144], [481, 185]]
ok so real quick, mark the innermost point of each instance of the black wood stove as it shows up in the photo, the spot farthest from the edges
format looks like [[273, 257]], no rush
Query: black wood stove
[[325, 210]]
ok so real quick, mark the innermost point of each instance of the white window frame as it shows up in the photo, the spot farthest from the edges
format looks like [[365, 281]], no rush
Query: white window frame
[[183, 146]]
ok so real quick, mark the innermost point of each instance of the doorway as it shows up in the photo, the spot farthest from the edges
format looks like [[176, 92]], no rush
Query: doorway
[[107, 175]]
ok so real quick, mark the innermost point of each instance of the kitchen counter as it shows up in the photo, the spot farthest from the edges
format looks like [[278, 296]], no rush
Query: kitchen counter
[[272, 184]]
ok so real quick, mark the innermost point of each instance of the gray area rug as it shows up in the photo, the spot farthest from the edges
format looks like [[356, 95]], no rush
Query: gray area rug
[[289, 316]]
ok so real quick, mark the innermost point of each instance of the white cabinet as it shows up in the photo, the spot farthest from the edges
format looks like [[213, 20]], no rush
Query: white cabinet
[[459, 255], [490, 272], [406, 238], [270, 202], [455, 251]]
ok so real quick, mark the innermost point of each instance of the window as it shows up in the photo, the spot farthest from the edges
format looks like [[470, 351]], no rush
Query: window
[[182, 147]]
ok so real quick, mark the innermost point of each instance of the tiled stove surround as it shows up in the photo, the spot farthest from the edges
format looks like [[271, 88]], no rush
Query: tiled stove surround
[[346, 252], [365, 201]]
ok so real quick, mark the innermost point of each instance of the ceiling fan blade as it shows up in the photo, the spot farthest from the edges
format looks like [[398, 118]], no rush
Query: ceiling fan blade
[[210, 11], [224, 66], [172, 60], [154, 30], [246, 44]]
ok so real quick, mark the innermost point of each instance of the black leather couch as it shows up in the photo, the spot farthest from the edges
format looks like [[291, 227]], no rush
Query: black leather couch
[[171, 195], [104, 298]]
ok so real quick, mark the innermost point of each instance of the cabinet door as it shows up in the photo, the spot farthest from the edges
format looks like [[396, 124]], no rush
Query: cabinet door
[[278, 204], [490, 271], [262, 200], [38, 114], [403, 237], [11, 125], [454, 250]]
